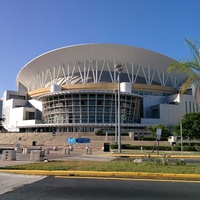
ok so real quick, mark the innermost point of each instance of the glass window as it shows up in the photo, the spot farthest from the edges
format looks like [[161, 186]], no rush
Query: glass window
[[91, 119], [100, 109], [91, 102], [76, 108], [84, 108], [107, 102], [84, 96], [61, 97], [99, 102], [140, 92], [107, 109], [76, 102], [84, 102], [92, 96], [99, 96], [75, 96], [92, 108], [106, 119]]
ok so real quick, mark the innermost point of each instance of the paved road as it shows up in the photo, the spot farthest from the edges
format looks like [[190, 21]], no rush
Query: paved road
[[51, 188]]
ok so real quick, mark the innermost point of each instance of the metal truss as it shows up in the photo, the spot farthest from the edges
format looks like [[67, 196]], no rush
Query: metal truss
[[93, 71]]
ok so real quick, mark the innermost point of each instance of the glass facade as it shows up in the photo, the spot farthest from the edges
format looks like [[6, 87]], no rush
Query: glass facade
[[90, 107]]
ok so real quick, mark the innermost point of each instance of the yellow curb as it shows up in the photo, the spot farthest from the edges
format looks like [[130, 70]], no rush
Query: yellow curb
[[107, 174]]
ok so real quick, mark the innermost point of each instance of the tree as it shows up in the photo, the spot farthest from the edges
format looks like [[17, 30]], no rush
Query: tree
[[190, 126], [2, 119], [190, 68], [165, 131]]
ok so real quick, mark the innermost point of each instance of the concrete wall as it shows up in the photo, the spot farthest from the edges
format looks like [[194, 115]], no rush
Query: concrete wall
[[170, 109], [15, 110]]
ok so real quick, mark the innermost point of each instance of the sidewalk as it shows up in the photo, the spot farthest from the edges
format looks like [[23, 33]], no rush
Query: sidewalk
[[77, 154]]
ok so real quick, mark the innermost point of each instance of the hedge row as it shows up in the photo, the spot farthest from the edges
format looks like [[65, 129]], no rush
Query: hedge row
[[143, 138], [162, 148], [101, 133], [186, 148], [189, 144], [149, 138]]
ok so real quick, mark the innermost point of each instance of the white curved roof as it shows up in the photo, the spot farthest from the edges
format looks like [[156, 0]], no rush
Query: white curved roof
[[110, 52]]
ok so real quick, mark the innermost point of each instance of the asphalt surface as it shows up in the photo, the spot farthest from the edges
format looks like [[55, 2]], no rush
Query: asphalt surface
[[59, 188]]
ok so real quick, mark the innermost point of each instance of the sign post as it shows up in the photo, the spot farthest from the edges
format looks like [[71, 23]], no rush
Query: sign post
[[158, 135]]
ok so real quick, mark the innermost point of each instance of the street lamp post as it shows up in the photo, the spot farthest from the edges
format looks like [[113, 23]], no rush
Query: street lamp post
[[115, 93], [119, 69]]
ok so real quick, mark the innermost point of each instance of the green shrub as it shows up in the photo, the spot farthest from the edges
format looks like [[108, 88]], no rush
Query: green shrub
[[164, 148], [114, 146], [129, 146], [148, 138], [197, 147], [161, 148], [126, 146], [99, 132], [189, 148], [102, 133], [185, 148], [189, 144], [180, 162], [175, 148]]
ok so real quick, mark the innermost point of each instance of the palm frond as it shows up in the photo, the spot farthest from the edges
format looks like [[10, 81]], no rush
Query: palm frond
[[197, 93], [191, 68], [193, 47], [181, 67], [188, 83]]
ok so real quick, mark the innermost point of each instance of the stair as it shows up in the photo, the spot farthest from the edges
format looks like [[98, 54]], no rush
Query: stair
[[60, 139]]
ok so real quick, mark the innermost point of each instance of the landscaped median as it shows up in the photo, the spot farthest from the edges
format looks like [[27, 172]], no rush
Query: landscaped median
[[154, 155], [132, 166], [130, 175]]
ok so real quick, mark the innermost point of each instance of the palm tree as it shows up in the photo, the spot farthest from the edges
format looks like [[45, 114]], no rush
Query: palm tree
[[192, 69]]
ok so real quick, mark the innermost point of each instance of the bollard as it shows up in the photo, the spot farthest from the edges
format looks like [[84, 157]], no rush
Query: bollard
[[46, 151], [9, 155], [90, 150], [26, 150], [37, 155], [71, 148], [66, 151], [55, 148], [86, 150], [18, 150]]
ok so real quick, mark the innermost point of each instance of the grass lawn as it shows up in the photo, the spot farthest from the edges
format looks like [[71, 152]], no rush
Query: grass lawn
[[117, 166]]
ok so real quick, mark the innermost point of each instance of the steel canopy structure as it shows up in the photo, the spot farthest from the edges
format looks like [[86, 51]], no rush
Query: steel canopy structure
[[90, 62]]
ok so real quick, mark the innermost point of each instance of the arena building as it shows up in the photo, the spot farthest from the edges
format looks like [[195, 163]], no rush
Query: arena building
[[75, 89]]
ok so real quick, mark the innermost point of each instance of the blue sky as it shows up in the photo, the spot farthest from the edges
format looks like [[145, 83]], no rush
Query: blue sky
[[29, 28]]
